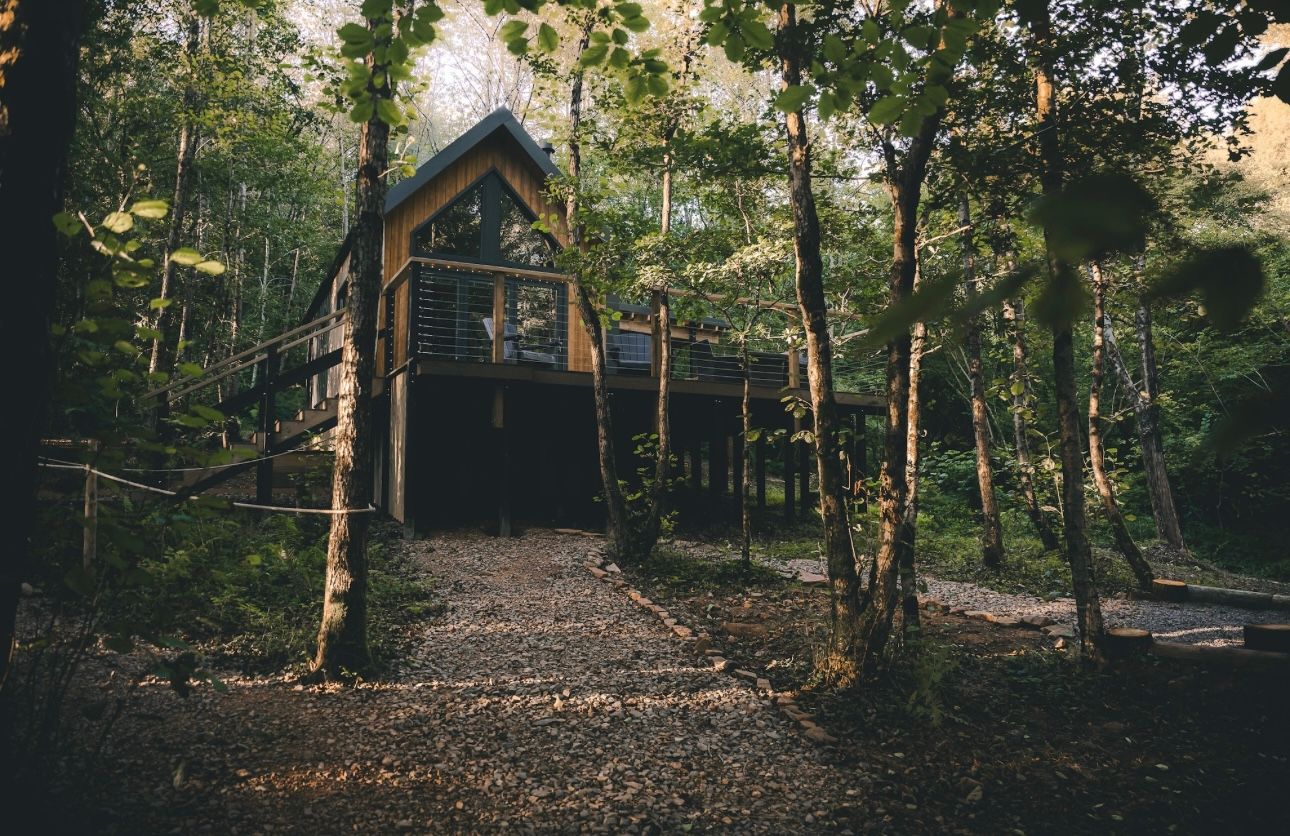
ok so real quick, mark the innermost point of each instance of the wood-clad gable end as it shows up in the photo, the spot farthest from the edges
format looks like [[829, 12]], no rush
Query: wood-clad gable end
[[498, 152]]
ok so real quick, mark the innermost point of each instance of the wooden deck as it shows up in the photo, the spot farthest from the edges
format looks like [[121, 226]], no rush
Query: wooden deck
[[680, 386]]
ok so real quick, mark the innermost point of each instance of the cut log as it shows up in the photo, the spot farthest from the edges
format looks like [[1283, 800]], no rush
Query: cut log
[[1274, 637], [1231, 597], [1127, 642], [1223, 657], [1167, 590]]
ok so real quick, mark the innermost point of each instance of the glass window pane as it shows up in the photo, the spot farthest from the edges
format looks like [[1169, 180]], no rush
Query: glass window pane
[[520, 242], [458, 229]]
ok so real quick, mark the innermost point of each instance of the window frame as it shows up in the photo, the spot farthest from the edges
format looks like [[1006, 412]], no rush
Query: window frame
[[490, 227]]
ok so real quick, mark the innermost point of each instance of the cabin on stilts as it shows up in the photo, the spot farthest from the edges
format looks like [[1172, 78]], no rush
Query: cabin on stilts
[[484, 400]]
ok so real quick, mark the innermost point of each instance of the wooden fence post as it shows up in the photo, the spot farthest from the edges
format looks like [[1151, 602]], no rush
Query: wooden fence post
[[90, 537], [268, 406]]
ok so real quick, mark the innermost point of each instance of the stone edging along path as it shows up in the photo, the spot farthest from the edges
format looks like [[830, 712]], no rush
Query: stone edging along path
[[702, 644]]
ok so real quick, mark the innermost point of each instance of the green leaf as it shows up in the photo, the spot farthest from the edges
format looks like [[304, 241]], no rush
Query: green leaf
[[1230, 281], [634, 89], [636, 24], [152, 209], [548, 39], [834, 49], [191, 370], [209, 267], [362, 111], [67, 223], [119, 222], [355, 34], [1094, 215], [389, 112], [186, 256], [792, 99], [376, 8], [160, 304], [594, 55], [887, 109], [512, 29], [757, 35]]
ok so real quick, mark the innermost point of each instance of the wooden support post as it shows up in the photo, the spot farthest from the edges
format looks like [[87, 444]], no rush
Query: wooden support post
[[790, 496], [499, 318], [405, 423], [268, 424], [794, 370], [718, 463], [737, 463], [502, 442], [696, 465], [860, 460], [90, 538], [761, 472], [804, 476], [656, 345]]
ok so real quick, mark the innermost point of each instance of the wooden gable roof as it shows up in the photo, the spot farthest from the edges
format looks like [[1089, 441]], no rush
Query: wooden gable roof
[[497, 143]]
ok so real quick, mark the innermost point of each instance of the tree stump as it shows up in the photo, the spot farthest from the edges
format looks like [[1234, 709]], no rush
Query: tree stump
[[1167, 590], [1274, 637], [1126, 642]]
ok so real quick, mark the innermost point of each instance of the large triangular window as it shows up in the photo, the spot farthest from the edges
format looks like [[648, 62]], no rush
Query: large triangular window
[[487, 223]]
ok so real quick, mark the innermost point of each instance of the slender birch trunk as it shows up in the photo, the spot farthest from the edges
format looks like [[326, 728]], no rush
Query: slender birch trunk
[[1096, 454], [991, 526], [1014, 314], [1078, 550]]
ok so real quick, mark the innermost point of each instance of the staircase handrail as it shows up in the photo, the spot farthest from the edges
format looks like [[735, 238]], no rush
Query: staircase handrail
[[255, 354]]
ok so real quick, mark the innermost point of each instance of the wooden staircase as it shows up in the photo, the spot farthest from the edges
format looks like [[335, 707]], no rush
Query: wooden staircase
[[274, 375]]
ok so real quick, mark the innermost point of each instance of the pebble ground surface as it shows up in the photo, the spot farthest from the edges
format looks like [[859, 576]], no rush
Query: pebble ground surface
[[1185, 623], [542, 700]]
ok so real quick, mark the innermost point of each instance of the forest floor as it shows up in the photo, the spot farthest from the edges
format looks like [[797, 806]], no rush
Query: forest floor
[[541, 699]]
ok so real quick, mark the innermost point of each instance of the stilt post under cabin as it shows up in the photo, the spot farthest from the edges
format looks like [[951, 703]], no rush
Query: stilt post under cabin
[[502, 443], [804, 473], [761, 471], [737, 465], [268, 405], [696, 465], [718, 462], [790, 496], [859, 461]]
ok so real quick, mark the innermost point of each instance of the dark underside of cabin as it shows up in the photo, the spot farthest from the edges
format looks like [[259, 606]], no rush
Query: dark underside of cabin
[[506, 446]]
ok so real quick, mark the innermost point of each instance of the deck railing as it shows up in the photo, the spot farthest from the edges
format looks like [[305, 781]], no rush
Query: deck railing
[[452, 311]]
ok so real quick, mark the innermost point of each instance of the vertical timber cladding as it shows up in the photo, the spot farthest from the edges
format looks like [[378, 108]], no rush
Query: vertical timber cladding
[[396, 504]]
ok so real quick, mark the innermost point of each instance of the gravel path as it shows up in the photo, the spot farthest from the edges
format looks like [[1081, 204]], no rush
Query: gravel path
[[542, 700], [1207, 624]]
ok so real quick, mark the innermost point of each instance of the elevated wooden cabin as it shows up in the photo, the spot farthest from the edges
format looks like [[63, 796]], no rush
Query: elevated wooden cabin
[[484, 386]]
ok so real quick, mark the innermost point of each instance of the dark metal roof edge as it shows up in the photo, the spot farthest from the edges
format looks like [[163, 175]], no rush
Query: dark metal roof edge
[[330, 277], [499, 119]]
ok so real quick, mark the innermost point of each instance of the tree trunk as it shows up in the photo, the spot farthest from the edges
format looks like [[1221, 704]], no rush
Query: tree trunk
[[1014, 313], [840, 662], [1146, 411], [187, 153], [1074, 523], [617, 536], [745, 506], [1123, 540], [342, 638], [662, 323], [911, 619], [40, 41], [991, 527]]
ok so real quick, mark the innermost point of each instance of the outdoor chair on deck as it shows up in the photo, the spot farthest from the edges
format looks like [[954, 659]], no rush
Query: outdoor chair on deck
[[705, 365], [516, 351], [629, 352]]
